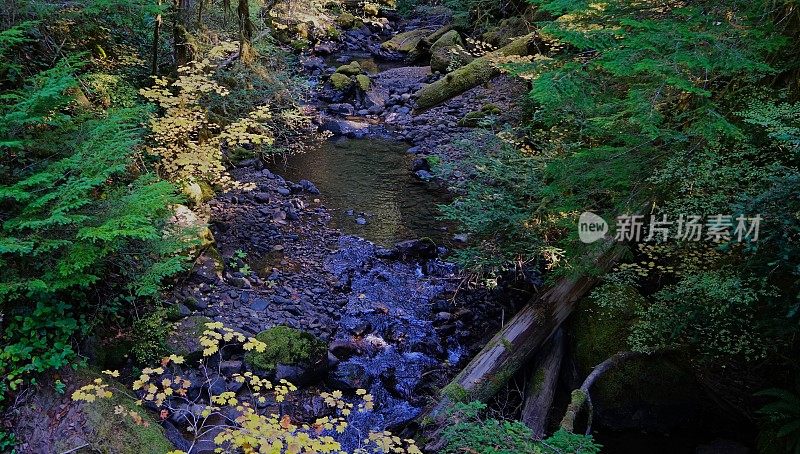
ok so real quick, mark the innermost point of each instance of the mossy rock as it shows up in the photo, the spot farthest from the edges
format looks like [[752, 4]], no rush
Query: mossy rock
[[369, 66], [406, 41], [491, 109], [110, 432], [371, 9], [193, 193], [448, 53], [287, 346], [472, 119], [506, 31], [351, 69], [184, 339], [340, 81], [347, 21], [642, 393], [363, 82]]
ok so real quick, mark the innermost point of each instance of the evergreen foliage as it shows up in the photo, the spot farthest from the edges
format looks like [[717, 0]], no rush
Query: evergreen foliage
[[83, 216]]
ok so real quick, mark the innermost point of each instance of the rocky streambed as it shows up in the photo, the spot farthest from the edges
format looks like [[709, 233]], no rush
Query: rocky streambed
[[344, 243]]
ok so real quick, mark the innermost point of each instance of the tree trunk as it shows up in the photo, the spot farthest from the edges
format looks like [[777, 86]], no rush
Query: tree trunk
[[542, 384], [245, 30], [581, 396], [179, 33], [156, 41], [479, 71], [516, 342]]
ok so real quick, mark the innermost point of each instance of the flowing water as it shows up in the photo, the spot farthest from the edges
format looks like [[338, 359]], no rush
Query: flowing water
[[371, 180]]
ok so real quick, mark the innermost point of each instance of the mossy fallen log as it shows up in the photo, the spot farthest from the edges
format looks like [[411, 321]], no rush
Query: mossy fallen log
[[513, 346], [479, 71]]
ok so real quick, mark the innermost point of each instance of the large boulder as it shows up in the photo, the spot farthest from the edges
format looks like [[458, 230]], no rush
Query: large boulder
[[184, 219], [184, 339], [448, 53], [291, 354], [647, 393], [506, 31], [406, 41]]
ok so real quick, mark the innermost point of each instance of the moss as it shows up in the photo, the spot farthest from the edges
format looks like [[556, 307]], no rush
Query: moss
[[448, 53], [288, 346], [340, 82], [149, 334], [538, 379], [491, 109], [346, 21], [369, 66], [118, 433], [363, 82], [406, 41], [456, 393], [507, 30], [506, 344], [351, 69], [184, 339], [640, 392], [300, 44], [472, 119], [219, 263], [371, 9], [207, 190], [433, 161], [481, 70]]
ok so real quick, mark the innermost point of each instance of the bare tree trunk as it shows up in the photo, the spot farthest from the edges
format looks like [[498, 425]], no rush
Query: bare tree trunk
[[517, 341], [581, 396], [179, 33], [245, 30], [200, 4], [542, 384], [156, 41]]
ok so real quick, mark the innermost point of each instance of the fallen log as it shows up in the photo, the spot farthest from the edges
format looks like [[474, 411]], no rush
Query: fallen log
[[581, 396], [541, 387], [513, 346], [479, 71]]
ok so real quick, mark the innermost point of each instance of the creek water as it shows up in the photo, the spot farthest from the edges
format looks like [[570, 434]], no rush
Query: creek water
[[370, 180]]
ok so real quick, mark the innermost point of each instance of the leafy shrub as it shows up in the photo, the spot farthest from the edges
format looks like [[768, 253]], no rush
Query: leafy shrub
[[780, 430], [712, 314], [495, 207], [285, 345], [468, 432], [83, 218], [246, 421]]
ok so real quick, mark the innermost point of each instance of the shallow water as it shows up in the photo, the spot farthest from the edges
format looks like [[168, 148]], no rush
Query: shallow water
[[372, 177]]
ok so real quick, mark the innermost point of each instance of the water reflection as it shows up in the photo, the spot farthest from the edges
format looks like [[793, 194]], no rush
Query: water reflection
[[373, 177]]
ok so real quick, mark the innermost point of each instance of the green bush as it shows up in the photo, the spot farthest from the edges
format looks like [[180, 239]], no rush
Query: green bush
[[83, 217], [469, 432], [286, 345]]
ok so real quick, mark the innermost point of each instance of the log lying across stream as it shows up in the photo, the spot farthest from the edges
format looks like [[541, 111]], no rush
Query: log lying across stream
[[479, 71], [514, 345]]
